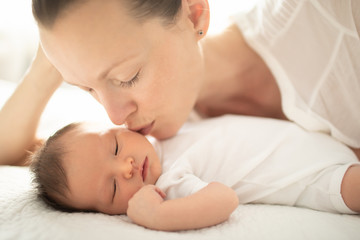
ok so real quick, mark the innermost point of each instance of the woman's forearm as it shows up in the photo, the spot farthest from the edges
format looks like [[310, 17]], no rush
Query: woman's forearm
[[20, 115]]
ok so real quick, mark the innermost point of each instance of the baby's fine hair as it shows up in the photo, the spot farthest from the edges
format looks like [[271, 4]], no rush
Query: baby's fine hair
[[46, 12], [49, 174]]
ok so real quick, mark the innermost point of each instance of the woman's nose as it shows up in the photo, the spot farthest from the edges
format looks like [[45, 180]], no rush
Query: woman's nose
[[117, 107], [127, 168]]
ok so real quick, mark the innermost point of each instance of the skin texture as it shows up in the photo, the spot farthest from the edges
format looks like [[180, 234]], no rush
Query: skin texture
[[122, 49], [106, 167]]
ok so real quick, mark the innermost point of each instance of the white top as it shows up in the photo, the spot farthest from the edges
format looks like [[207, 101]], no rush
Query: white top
[[313, 50], [263, 160]]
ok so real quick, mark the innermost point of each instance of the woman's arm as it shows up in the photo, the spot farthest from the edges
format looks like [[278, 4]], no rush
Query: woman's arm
[[20, 115], [209, 206]]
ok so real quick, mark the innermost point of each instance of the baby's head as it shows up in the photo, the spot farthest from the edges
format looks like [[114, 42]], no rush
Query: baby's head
[[85, 168]]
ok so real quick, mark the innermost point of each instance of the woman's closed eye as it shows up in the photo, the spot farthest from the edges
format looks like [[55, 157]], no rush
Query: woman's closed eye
[[127, 84]]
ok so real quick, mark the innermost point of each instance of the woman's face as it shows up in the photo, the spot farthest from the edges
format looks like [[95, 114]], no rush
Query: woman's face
[[146, 75]]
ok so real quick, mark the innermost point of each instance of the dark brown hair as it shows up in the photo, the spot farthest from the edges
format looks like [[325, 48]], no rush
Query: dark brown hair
[[49, 174], [46, 12]]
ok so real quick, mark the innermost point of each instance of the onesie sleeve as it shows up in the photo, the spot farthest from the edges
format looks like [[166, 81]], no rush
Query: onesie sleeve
[[179, 183]]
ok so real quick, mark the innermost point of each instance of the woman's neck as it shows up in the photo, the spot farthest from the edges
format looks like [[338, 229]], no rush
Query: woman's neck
[[236, 78], [222, 61]]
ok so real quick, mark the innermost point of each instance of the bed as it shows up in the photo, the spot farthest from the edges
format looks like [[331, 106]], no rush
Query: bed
[[23, 216]]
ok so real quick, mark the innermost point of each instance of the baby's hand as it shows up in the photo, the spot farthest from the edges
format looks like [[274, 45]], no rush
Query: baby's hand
[[143, 205]]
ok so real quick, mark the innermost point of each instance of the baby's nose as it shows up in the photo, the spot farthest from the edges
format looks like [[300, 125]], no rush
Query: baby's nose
[[128, 167]]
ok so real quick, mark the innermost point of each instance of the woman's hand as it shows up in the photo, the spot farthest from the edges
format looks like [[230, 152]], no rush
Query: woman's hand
[[143, 205]]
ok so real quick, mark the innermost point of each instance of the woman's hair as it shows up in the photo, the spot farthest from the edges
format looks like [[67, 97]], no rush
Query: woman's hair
[[46, 12], [49, 174]]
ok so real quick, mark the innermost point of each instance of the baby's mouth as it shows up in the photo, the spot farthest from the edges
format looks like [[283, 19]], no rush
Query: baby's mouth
[[144, 169]]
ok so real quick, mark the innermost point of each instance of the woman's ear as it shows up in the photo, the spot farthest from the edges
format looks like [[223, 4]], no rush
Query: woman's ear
[[199, 15]]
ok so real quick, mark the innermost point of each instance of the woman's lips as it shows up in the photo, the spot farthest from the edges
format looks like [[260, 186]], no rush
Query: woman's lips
[[145, 169], [146, 130]]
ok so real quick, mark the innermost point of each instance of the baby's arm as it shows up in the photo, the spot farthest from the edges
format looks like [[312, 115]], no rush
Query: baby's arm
[[211, 205], [20, 115]]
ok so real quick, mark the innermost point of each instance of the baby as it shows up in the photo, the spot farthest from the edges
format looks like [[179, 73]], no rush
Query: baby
[[197, 178]]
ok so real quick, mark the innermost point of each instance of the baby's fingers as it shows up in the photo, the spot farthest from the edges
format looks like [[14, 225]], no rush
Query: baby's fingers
[[160, 192]]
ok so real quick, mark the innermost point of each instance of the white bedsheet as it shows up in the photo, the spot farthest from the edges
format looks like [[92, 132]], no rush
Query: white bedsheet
[[23, 216]]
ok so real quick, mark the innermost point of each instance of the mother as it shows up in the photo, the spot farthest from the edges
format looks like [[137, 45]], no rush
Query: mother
[[144, 62]]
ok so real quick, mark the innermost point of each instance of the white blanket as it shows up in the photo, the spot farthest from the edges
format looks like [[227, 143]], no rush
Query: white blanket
[[23, 216]]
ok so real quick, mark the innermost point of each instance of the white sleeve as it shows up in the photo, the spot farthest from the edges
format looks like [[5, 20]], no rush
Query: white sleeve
[[313, 50], [176, 183]]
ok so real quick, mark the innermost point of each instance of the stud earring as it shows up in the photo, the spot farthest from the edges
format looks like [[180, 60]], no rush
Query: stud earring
[[200, 32]]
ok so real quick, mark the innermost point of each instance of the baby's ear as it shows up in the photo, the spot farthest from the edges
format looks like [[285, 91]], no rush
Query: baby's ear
[[198, 13]]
